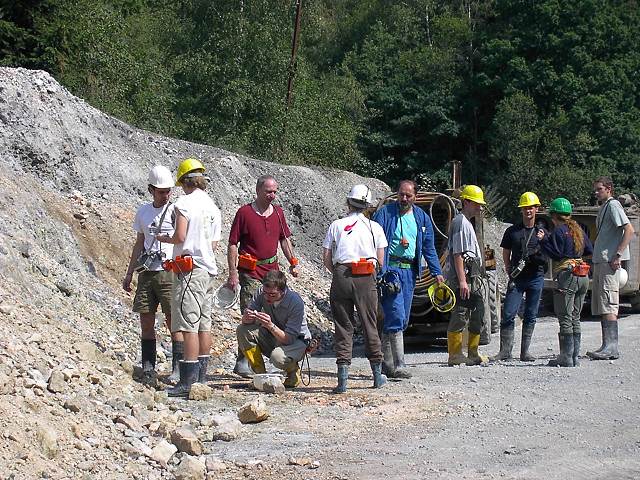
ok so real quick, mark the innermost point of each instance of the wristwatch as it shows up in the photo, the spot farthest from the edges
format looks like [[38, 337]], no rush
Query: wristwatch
[[617, 255]]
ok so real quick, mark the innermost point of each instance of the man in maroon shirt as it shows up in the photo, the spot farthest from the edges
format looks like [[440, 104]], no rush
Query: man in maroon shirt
[[257, 229]]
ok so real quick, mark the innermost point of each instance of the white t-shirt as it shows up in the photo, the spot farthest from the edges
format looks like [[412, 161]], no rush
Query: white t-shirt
[[204, 226], [352, 238], [147, 221]]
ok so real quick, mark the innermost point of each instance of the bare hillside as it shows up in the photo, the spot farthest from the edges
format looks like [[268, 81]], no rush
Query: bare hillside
[[71, 178]]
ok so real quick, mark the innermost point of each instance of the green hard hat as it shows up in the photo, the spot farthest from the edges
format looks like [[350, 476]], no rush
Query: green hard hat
[[560, 205]]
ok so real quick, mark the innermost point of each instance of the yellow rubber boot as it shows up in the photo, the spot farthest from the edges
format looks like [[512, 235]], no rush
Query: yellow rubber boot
[[454, 346], [293, 378], [474, 357], [254, 357]]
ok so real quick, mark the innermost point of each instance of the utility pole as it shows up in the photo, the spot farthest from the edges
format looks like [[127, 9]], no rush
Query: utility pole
[[294, 51]]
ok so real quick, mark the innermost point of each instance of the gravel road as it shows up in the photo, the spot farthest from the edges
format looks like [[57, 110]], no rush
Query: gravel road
[[508, 420]]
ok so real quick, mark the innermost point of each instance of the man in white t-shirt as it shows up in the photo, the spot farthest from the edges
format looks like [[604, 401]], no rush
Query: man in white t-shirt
[[196, 235], [348, 240], [611, 248], [154, 284]]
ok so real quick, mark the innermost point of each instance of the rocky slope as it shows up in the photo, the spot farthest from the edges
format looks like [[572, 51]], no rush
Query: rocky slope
[[71, 178]]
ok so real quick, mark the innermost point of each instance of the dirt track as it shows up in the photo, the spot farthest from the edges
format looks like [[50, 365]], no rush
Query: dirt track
[[509, 420]]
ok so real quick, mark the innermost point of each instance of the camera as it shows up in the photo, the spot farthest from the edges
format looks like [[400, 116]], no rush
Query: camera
[[146, 260], [517, 270], [389, 283]]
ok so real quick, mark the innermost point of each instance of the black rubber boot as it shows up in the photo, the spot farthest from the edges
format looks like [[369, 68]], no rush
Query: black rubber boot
[[203, 360], [378, 378], [397, 349], [506, 344], [189, 371], [527, 333], [343, 374], [148, 355], [602, 322], [577, 337], [565, 357], [177, 354], [242, 367], [388, 367], [610, 350]]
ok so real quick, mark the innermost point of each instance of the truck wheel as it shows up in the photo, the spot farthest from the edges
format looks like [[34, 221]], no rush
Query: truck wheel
[[495, 300]]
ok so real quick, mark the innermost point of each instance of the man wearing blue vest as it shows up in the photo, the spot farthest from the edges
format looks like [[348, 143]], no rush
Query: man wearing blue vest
[[409, 232]]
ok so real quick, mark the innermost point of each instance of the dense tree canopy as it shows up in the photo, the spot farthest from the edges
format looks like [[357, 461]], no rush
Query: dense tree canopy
[[535, 95]]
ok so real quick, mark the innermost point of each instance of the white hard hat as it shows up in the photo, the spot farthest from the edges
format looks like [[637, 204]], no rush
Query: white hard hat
[[160, 177], [359, 196], [623, 277]]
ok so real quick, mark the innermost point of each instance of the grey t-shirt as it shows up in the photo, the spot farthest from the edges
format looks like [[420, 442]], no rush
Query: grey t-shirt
[[611, 218], [462, 239], [288, 314]]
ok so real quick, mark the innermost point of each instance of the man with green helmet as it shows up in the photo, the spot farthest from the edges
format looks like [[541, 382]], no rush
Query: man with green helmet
[[462, 270], [525, 265], [566, 245]]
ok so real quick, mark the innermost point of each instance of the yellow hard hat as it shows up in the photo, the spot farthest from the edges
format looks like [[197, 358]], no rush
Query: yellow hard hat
[[442, 297], [473, 193], [187, 166], [529, 199]]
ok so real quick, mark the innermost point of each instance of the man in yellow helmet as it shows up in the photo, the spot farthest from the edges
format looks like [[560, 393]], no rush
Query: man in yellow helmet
[[525, 265], [463, 271], [196, 235]]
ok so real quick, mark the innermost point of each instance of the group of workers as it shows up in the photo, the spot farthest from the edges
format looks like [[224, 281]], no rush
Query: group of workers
[[374, 263]]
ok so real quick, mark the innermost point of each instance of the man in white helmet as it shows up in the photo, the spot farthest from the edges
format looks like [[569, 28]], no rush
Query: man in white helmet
[[154, 284], [353, 247]]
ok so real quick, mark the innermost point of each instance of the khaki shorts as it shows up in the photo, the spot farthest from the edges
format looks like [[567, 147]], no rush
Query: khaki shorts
[[605, 297], [192, 300], [154, 288]]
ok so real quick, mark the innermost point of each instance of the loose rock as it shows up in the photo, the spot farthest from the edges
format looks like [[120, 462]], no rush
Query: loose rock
[[190, 468], [163, 452], [56, 382], [200, 392], [186, 441], [254, 411], [48, 440]]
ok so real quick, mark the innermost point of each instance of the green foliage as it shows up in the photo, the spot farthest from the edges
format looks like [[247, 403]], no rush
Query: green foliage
[[409, 68], [568, 74], [20, 45], [529, 95], [109, 54]]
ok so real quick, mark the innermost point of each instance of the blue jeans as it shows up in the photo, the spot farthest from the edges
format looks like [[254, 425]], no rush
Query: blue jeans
[[531, 289], [397, 307]]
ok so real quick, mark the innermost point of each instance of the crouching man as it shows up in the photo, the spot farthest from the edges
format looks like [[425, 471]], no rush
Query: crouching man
[[274, 325]]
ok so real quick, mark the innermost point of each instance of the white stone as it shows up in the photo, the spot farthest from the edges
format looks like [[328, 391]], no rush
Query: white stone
[[254, 411], [190, 468], [163, 452]]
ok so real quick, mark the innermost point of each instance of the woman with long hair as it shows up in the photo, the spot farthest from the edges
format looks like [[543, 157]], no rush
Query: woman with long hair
[[566, 245]]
